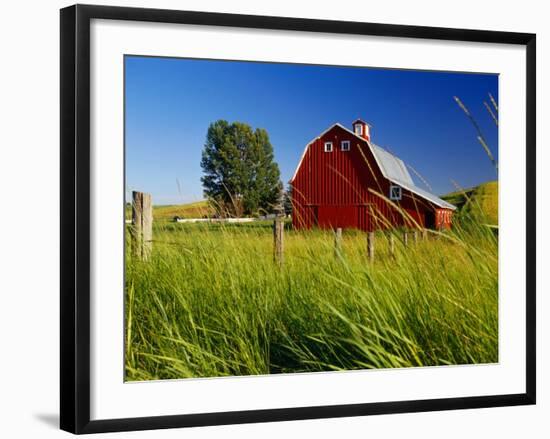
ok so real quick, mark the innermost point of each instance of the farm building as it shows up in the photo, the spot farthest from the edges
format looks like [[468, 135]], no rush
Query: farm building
[[345, 180]]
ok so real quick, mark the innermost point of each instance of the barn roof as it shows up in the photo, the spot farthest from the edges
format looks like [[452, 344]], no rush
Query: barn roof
[[395, 170], [391, 166], [425, 194]]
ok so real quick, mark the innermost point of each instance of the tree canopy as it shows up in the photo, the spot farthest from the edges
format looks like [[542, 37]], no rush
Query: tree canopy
[[240, 174]]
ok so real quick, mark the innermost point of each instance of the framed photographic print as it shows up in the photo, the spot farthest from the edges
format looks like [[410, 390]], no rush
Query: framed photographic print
[[268, 218]]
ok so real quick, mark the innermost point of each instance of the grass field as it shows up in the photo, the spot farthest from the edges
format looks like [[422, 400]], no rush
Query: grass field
[[211, 302]]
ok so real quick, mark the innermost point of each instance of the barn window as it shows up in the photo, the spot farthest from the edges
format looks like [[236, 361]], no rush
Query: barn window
[[328, 146], [359, 129], [345, 145], [395, 193]]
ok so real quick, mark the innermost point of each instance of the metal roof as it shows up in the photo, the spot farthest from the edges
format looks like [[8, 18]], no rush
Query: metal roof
[[392, 167], [425, 194], [395, 170]]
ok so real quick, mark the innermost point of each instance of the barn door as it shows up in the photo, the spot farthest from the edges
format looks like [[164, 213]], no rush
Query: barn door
[[430, 219], [333, 216]]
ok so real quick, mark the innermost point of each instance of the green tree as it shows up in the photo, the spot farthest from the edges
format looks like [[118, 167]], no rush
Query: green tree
[[240, 174]]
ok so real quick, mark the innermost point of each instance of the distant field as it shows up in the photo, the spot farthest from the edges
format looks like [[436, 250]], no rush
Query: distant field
[[480, 202], [198, 209]]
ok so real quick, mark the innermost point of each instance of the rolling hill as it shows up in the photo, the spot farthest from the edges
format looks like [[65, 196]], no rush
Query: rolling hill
[[480, 201], [199, 209]]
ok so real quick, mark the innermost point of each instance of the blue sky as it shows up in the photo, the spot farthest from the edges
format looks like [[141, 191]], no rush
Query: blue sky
[[170, 102]]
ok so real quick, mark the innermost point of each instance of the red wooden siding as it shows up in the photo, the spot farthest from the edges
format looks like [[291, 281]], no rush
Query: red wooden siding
[[444, 218], [332, 216], [347, 189]]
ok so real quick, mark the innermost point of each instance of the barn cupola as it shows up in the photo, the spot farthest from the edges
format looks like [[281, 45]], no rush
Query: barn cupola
[[361, 128]]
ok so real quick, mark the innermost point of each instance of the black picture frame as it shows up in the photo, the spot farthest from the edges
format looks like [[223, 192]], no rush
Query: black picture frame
[[75, 217]]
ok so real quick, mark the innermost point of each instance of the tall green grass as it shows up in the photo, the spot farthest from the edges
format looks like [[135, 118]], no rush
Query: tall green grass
[[211, 302]]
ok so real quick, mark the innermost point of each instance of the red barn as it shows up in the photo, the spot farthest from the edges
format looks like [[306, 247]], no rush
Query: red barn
[[345, 180]]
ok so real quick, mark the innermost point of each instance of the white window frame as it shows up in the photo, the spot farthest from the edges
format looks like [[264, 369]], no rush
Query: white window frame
[[396, 197], [328, 147], [360, 131], [345, 145]]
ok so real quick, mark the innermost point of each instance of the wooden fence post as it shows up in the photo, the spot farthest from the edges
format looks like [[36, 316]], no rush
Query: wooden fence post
[[424, 234], [142, 219], [370, 245], [338, 242], [405, 238], [415, 237], [278, 241], [392, 244]]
